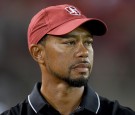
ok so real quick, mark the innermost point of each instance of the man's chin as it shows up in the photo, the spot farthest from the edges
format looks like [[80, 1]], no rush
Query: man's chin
[[77, 82]]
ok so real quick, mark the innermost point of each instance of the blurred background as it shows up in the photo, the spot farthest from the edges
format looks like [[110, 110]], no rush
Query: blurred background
[[113, 74]]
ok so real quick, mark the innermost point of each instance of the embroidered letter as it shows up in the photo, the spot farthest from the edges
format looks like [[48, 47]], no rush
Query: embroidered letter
[[72, 10]]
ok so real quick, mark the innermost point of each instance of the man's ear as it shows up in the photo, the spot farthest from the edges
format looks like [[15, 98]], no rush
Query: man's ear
[[37, 52]]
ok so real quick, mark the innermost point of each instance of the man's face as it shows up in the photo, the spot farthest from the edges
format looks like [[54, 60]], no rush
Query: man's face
[[70, 57]]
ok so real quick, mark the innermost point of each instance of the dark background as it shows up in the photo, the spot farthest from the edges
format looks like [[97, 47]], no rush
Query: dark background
[[113, 74]]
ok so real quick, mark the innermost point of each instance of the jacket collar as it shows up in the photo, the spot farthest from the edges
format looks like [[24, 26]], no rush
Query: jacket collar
[[90, 99]]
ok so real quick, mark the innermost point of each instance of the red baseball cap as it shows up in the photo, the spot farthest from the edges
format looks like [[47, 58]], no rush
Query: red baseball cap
[[59, 20]]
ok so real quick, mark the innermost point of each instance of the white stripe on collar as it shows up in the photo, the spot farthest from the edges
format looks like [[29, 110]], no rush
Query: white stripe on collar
[[36, 111], [31, 104], [98, 102]]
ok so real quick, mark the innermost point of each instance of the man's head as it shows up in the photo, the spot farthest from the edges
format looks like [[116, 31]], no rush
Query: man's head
[[63, 47], [60, 20]]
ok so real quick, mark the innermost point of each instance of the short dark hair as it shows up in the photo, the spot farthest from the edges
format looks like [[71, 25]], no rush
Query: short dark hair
[[42, 39]]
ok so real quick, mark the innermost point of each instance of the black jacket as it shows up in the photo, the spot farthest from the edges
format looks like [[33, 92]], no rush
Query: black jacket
[[92, 104]]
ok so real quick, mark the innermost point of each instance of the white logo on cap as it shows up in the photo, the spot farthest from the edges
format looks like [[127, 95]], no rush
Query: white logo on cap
[[72, 10]]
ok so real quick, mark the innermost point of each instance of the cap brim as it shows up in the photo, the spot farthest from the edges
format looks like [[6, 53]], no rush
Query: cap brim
[[95, 26]]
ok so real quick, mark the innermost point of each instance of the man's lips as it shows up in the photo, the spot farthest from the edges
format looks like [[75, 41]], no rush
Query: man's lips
[[82, 67]]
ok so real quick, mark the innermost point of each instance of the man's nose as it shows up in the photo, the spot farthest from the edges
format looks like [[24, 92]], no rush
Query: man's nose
[[82, 51]]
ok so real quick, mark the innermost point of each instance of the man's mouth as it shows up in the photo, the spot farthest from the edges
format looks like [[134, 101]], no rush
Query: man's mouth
[[82, 67]]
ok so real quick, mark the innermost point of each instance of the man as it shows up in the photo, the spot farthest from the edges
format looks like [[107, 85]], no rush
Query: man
[[60, 40]]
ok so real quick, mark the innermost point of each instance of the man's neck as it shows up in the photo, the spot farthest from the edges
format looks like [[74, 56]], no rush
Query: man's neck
[[62, 97]]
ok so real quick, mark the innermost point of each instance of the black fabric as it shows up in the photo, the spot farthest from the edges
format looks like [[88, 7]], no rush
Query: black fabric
[[91, 104]]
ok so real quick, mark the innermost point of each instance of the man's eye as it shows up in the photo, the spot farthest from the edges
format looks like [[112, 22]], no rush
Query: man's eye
[[88, 43], [70, 43]]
